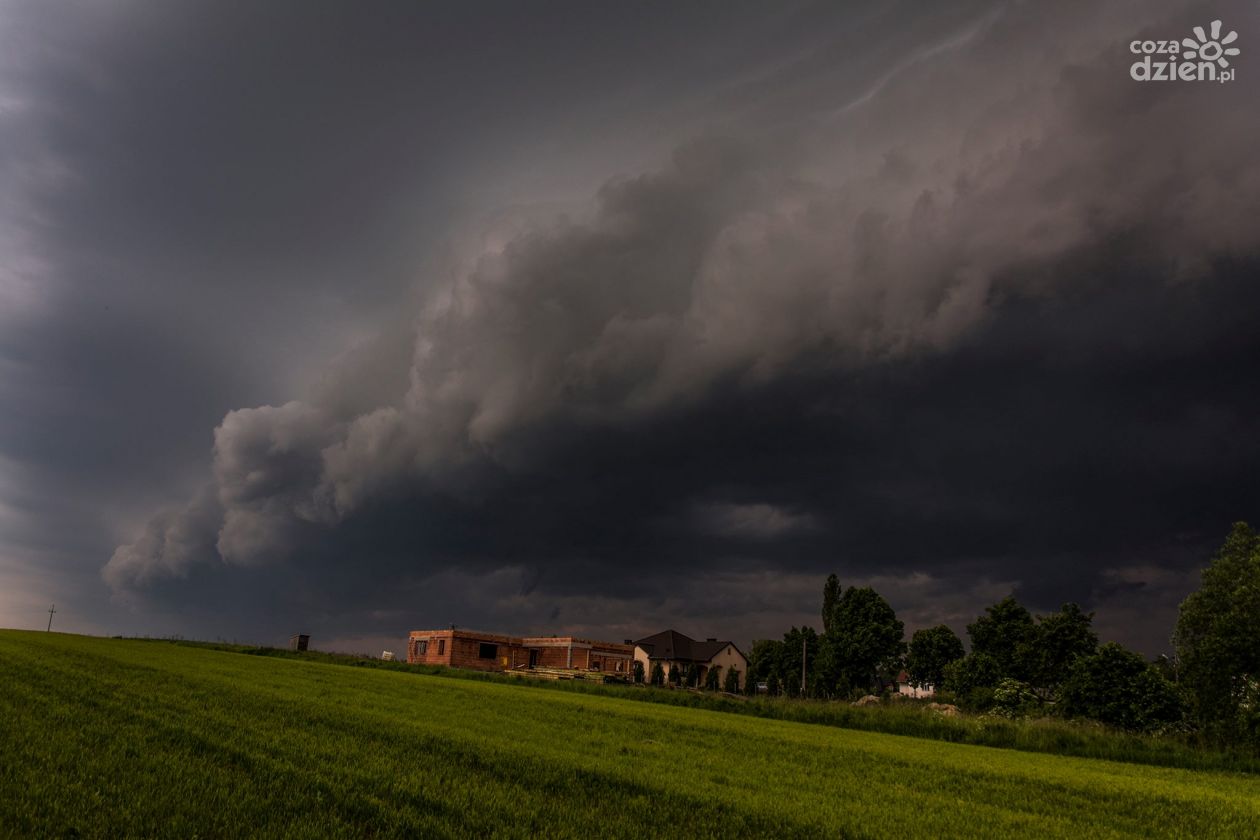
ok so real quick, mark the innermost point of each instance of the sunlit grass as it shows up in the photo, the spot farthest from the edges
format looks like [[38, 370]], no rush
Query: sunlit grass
[[114, 738], [1050, 735]]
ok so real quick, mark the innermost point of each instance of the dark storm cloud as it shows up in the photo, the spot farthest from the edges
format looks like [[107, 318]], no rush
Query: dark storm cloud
[[958, 311], [204, 203]]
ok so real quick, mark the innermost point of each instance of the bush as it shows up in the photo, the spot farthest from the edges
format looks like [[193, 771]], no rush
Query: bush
[[658, 674], [1116, 687], [731, 685], [1014, 699]]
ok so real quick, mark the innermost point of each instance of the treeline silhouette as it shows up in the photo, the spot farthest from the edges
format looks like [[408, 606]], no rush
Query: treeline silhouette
[[1021, 665]]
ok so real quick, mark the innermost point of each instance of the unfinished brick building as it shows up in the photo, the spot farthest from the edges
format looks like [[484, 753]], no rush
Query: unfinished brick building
[[495, 652]]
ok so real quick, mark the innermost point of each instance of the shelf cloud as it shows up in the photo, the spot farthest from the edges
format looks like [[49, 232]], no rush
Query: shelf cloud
[[947, 302]]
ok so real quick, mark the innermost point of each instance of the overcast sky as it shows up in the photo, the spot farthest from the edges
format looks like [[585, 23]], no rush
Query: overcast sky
[[610, 317]]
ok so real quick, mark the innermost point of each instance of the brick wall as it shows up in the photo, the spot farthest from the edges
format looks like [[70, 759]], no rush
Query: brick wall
[[463, 649]]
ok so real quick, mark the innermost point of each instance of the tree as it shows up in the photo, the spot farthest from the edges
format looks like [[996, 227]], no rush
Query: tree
[[832, 590], [1218, 640], [676, 674], [972, 680], [797, 641], [711, 681], [773, 686], [692, 675], [638, 672], [1117, 687], [828, 669], [731, 681], [865, 637], [1004, 633], [931, 649], [1060, 639], [658, 674], [763, 658]]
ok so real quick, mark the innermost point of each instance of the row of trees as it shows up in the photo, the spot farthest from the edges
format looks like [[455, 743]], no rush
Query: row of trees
[[862, 640], [1020, 664]]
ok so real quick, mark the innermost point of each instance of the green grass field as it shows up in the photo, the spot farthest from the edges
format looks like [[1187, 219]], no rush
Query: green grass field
[[119, 738]]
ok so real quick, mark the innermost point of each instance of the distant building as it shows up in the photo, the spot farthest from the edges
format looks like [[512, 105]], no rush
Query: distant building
[[299, 641], [904, 688], [674, 650], [480, 651]]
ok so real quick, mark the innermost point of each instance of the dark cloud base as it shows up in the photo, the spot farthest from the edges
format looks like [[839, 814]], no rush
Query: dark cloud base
[[961, 309], [1104, 429]]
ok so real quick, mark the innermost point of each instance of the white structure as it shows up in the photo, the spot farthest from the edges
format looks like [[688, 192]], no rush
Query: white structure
[[905, 689]]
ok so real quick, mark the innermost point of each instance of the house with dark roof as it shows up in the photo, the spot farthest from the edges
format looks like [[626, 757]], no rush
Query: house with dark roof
[[674, 650]]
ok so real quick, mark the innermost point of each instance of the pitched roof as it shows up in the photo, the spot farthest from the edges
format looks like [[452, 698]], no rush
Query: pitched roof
[[670, 644]]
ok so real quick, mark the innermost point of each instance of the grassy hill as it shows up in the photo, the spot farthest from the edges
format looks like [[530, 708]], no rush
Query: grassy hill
[[117, 738]]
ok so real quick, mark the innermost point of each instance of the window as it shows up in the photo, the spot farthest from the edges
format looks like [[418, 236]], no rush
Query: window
[[488, 651], [422, 647], [441, 647]]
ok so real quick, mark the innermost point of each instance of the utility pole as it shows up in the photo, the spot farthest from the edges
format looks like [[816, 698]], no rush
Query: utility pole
[[51, 610], [803, 655]]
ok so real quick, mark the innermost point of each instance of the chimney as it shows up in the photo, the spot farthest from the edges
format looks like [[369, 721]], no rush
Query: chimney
[[629, 642], [711, 639]]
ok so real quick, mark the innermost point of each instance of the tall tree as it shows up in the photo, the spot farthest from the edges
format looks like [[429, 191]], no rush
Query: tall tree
[[832, 590], [1061, 638], [866, 637], [1004, 632], [828, 666], [731, 681], [1218, 640], [931, 649]]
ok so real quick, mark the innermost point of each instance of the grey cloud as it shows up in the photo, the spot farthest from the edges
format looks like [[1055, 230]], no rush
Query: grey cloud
[[736, 264], [907, 324], [173, 543], [756, 521]]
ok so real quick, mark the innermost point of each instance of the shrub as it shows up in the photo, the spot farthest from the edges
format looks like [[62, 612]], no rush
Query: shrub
[[1116, 687], [1014, 699]]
